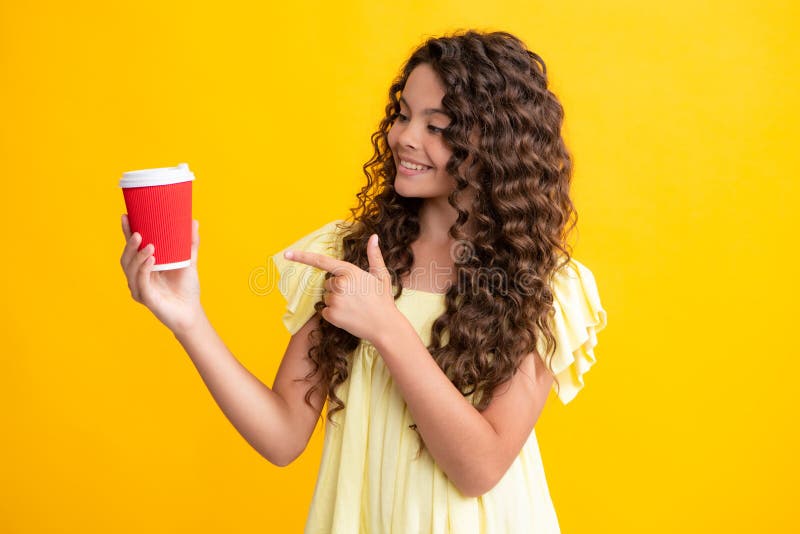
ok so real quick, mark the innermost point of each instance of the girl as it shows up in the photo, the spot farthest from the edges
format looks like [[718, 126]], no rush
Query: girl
[[435, 321]]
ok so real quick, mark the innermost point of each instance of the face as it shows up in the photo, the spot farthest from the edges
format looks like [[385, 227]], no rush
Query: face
[[416, 140]]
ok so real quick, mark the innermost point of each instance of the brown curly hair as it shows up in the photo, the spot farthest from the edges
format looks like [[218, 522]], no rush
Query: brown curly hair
[[521, 173]]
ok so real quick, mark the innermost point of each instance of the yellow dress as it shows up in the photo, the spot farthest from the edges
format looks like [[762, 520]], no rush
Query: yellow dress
[[369, 479]]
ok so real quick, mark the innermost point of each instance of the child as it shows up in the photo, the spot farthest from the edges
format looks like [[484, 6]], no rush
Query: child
[[437, 343]]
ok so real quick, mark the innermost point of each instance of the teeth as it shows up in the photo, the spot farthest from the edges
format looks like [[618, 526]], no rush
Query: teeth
[[412, 166]]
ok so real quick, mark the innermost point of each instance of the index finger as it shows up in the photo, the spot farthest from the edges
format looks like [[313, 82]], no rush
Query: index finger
[[320, 261], [126, 229]]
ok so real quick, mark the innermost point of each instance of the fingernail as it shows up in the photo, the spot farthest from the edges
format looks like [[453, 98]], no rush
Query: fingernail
[[288, 254]]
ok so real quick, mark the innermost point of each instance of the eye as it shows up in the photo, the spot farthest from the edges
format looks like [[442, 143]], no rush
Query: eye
[[435, 130], [401, 117]]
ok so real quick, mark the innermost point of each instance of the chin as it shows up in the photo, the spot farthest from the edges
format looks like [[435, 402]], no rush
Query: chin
[[411, 187], [405, 189]]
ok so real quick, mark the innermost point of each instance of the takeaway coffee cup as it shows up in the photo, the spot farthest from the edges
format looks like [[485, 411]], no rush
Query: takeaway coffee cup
[[159, 205]]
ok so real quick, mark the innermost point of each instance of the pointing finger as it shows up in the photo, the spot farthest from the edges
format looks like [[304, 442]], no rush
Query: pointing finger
[[320, 261]]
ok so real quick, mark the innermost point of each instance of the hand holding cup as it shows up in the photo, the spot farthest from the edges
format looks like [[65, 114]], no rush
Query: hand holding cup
[[172, 295]]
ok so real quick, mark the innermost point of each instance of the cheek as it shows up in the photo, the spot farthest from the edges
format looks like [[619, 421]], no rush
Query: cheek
[[440, 156], [391, 137]]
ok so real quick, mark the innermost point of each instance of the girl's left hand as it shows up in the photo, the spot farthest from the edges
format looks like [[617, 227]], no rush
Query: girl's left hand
[[355, 300]]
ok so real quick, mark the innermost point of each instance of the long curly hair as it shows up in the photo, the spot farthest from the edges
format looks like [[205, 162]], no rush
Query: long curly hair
[[521, 173]]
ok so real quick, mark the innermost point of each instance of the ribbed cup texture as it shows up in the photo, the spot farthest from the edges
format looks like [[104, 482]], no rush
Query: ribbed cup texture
[[162, 214]]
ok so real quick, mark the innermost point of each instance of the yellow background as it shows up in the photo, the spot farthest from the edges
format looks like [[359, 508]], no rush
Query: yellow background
[[683, 122]]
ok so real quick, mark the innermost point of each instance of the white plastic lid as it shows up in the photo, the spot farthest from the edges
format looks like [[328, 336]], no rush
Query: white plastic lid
[[160, 176]]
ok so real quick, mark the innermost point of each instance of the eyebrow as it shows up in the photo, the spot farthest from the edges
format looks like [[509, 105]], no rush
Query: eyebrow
[[429, 111]]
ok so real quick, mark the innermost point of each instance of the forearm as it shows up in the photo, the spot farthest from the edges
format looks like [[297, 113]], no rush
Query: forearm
[[258, 413], [458, 437]]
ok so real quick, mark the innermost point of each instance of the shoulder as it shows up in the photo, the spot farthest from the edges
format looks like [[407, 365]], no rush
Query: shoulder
[[578, 316], [574, 285], [573, 271], [302, 285]]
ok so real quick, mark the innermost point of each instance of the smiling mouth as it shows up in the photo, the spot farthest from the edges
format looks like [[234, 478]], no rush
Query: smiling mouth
[[411, 169], [414, 166]]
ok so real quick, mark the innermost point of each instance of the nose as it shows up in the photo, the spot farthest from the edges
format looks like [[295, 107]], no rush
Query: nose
[[409, 135]]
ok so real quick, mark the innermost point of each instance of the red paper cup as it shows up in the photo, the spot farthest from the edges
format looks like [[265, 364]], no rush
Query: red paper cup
[[159, 205]]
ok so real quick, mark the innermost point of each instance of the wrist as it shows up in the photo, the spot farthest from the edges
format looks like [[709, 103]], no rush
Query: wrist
[[392, 326], [192, 326]]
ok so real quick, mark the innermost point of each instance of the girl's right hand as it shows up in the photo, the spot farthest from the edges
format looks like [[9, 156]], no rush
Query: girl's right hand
[[173, 295]]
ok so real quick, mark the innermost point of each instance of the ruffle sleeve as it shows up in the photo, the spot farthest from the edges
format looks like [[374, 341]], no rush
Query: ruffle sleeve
[[300, 284], [579, 316]]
